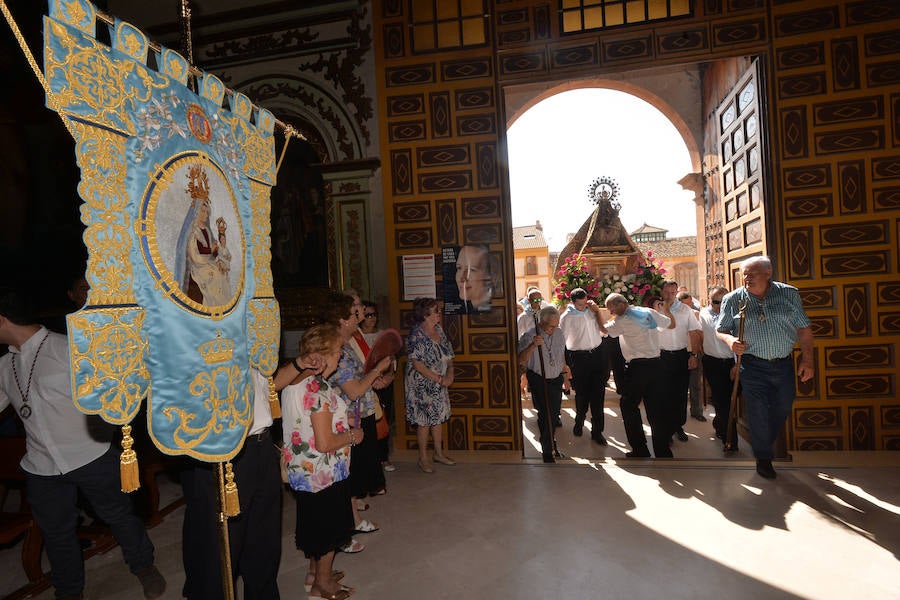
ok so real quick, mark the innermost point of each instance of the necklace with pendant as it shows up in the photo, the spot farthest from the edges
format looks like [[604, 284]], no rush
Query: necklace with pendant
[[25, 411], [550, 349]]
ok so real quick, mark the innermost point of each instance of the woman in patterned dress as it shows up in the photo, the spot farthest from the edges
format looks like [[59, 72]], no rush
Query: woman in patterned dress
[[429, 372], [317, 441]]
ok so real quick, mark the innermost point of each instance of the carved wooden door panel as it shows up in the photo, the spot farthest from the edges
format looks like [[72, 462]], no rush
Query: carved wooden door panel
[[740, 157], [743, 221]]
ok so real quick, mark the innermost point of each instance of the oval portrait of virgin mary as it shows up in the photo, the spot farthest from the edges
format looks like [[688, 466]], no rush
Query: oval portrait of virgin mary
[[193, 240]]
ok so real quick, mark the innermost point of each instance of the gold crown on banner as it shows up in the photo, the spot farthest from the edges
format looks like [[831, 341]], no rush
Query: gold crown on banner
[[217, 350], [199, 183]]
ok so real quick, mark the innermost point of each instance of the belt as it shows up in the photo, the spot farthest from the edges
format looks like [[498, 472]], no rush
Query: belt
[[597, 349], [771, 360], [673, 351], [262, 436], [634, 360], [711, 357]]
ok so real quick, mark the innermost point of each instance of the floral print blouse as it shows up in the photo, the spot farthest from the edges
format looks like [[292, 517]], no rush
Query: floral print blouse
[[308, 469], [350, 367]]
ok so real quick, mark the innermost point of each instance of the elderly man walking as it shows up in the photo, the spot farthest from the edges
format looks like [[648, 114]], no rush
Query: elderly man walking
[[774, 321], [636, 328]]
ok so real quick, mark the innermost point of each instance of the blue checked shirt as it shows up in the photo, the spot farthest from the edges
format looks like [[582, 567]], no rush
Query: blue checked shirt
[[770, 330]]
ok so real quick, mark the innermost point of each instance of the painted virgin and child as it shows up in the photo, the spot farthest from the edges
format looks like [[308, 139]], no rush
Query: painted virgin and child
[[203, 260]]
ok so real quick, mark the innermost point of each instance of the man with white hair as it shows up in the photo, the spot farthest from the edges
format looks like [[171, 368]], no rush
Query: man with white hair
[[774, 321]]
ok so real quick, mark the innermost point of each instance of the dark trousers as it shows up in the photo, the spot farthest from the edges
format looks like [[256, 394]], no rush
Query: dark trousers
[[717, 372], [386, 397], [616, 362], [590, 371], [768, 388], [676, 377], [254, 536], [539, 397], [643, 383], [53, 503]]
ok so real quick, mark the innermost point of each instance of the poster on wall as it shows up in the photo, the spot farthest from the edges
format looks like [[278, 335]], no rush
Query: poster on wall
[[471, 278]]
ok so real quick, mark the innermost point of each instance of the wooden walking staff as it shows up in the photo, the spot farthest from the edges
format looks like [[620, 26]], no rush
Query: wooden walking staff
[[732, 413], [550, 431]]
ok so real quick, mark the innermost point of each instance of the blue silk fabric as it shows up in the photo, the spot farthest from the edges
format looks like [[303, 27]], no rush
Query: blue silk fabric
[[176, 207]]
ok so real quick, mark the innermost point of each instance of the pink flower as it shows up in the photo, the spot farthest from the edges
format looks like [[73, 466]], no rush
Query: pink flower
[[640, 271], [287, 455], [340, 427], [321, 479], [313, 385], [312, 442], [295, 438], [649, 253], [662, 271], [645, 288], [309, 401]]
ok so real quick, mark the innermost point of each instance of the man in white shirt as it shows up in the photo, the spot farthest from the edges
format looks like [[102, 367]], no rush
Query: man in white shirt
[[67, 452], [588, 357], [718, 362], [676, 360], [636, 328]]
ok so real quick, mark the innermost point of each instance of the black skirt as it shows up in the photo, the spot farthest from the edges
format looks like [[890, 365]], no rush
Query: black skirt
[[324, 520], [366, 475]]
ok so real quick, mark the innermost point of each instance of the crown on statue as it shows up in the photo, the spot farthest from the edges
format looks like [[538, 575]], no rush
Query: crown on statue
[[217, 350], [198, 187]]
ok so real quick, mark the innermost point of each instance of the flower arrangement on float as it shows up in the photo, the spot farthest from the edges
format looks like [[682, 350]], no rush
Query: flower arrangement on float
[[574, 274], [648, 279], [618, 284]]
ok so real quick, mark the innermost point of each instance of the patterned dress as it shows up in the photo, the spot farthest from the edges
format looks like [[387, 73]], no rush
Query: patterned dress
[[427, 402], [308, 469]]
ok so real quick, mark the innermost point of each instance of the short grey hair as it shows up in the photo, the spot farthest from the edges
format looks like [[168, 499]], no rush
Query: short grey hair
[[763, 261], [615, 298], [547, 313], [717, 288]]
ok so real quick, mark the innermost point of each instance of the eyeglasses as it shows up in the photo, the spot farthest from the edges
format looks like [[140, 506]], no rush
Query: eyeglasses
[[716, 301], [369, 315]]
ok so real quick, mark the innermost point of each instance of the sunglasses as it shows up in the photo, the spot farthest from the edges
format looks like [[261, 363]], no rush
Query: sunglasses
[[716, 301]]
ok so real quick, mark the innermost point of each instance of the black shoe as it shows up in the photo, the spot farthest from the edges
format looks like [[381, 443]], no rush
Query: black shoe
[[700, 418], [548, 458], [682, 435], [557, 421], [765, 468], [729, 448], [578, 430], [152, 581], [638, 454], [598, 437]]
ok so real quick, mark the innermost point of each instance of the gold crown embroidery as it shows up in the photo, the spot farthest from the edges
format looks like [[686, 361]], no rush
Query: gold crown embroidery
[[199, 183], [217, 350]]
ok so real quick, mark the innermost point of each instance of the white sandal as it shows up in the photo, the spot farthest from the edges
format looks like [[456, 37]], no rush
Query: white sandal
[[365, 526]]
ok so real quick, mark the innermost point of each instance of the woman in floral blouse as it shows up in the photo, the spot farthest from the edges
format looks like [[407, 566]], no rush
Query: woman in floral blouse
[[429, 372], [317, 441]]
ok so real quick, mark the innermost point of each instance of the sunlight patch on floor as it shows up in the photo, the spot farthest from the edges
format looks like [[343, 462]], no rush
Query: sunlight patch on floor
[[863, 494], [764, 533]]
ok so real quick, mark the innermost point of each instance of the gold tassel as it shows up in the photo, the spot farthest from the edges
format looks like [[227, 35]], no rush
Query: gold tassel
[[274, 405], [232, 503], [128, 463]]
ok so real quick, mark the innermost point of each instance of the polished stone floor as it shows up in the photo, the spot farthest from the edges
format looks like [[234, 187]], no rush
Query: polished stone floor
[[596, 525]]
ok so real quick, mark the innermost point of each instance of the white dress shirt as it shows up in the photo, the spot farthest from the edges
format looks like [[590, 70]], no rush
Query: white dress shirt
[[58, 437], [677, 337], [580, 328], [712, 345], [638, 341], [262, 413]]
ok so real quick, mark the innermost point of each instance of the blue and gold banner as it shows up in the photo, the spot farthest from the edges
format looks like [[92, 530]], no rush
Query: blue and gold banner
[[176, 208]]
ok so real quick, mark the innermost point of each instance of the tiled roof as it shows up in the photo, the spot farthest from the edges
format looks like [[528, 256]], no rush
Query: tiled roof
[[647, 229], [680, 246], [528, 236]]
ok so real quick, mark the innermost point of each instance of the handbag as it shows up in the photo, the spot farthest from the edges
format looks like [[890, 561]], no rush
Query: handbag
[[382, 428]]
